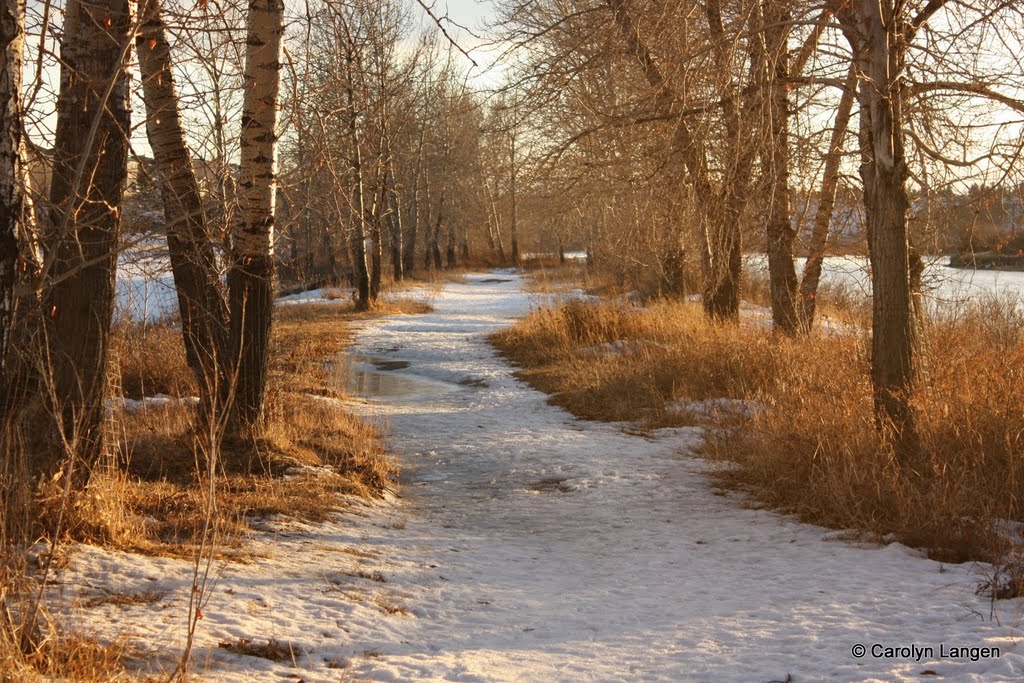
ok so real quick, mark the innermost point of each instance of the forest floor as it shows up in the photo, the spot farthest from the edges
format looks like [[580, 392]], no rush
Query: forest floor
[[528, 545]]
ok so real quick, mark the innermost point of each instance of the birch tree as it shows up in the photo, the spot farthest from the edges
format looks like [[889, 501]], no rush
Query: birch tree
[[12, 36], [250, 279]]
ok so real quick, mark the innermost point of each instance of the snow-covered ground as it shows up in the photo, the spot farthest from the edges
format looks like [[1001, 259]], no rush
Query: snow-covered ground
[[530, 546]]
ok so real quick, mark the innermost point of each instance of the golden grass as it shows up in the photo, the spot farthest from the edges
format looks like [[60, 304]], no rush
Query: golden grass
[[613, 361], [813, 450], [153, 496], [64, 657], [150, 360]]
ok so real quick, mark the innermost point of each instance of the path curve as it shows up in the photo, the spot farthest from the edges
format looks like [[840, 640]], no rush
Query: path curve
[[557, 549], [531, 546]]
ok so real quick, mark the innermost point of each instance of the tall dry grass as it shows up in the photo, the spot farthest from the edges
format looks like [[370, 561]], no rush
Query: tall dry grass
[[813, 449]]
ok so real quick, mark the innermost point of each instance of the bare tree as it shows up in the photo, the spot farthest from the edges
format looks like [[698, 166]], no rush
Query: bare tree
[[12, 35], [250, 279], [90, 163], [204, 313]]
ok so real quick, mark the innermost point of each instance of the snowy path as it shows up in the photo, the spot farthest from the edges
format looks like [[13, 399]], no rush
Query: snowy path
[[530, 546]]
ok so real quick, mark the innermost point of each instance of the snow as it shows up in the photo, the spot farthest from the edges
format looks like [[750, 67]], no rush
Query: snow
[[944, 287], [131, 405], [528, 545], [333, 295], [145, 286]]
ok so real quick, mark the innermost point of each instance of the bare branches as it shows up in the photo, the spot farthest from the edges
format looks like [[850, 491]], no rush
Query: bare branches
[[441, 21]]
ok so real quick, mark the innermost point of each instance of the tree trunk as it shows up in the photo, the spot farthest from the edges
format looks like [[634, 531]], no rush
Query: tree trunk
[[409, 266], [12, 205], [451, 259], [721, 249], [204, 313], [826, 204], [494, 223], [884, 173], [376, 257], [409, 243], [775, 164], [722, 300], [515, 205], [394, 222], [357, 243], [435, 236], [250, 279], [90, 164], [427, 252]]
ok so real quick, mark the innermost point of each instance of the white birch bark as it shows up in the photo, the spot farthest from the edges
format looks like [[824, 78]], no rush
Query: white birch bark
[[251, 275]]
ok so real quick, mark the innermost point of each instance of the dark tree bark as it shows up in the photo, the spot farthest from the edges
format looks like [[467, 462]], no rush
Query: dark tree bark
[[394, 223], [775, 166], [513, 194], [376, 254], [204, 312], [451, 259], [357, 243], [409, 258], [435, 236], [90, 164], [721, 247], [880, 38]]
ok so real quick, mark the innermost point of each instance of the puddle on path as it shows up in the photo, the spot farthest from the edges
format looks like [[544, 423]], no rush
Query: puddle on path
[[372, 377]]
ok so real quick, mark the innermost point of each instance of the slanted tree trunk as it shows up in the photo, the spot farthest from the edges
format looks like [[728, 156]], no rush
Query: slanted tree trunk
[[90, 164], [250, 279], [494, 239], [204, 313], [826, 204], [881, 57], [12, 205], [357, 244], [377, 246], [723, 300], [427, 252]]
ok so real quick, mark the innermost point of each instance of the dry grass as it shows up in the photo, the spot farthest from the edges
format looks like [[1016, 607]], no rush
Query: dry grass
[[837, 303], [273, 650], [814, 450], [150, 360], [554, 278], [614, 361], [65, 657], [152, 494]]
